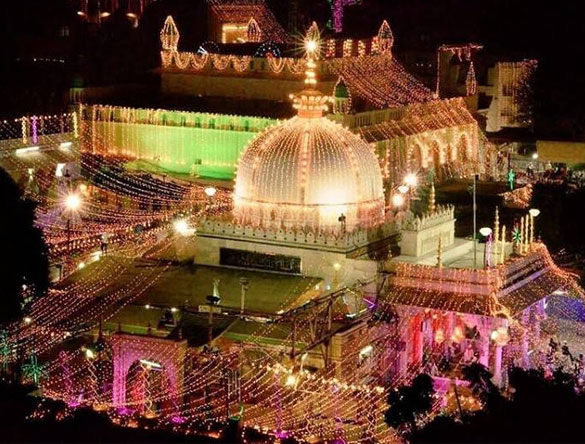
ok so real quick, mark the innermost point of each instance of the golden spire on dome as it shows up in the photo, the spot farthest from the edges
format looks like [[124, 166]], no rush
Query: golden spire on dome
[[311, 102]]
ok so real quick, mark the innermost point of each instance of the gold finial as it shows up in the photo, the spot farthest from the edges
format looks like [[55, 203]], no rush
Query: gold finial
[[311, 102]]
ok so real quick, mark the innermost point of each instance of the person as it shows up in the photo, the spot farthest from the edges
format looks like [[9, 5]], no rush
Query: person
[[552, 345], [104, 244], [580, 366], [565, 350]]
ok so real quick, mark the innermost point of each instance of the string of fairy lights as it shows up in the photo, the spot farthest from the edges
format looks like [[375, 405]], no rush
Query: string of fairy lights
[[272, 382]]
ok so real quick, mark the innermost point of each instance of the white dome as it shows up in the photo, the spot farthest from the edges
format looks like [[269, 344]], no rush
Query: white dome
[[306, 173]]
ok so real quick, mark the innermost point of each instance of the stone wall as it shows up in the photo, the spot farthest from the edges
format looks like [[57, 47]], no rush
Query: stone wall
[[335, 268], [420, 235]]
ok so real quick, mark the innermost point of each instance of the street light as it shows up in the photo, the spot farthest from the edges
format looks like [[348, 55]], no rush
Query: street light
[[533, 212], [73, 201], [72, 204], [182, 227], [398, 200], [487, 233], [403, 189], [411, 180], [210, 192]]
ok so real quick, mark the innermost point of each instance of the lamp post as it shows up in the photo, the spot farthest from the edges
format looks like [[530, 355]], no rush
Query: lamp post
[[244, 283], [397, 200], [533, 212], [474, 193], [487, 233], [411, 180], [72, 204], [210, 192], [182, 227]]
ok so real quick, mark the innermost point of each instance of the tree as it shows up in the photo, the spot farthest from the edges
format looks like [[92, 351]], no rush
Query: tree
[[409, 402], [24, 259], [538, 409]]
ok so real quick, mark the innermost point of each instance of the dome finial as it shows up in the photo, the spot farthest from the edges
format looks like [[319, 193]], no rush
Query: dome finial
[[169, 35], [310, 102]]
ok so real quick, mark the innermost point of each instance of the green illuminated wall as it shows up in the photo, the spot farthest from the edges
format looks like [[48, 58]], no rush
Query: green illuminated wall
[[185, 143]]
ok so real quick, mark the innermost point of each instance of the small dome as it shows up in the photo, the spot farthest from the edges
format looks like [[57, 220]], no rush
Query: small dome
[[341, 91], [306, 173]]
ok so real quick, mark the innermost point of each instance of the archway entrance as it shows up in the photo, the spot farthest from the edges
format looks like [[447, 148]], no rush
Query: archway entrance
[[140, 352]]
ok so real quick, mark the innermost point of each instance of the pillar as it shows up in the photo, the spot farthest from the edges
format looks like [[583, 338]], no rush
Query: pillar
[[484, 344], [120, 370], [497, 365], [402, 348]]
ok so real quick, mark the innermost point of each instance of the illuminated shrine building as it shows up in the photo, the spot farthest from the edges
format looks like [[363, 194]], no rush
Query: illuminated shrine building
[[307, 188], [308, 172], [248, 85]]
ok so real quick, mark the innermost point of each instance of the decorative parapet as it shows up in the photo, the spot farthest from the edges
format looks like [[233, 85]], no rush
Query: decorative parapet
[[498, 281], [296, 237], [165, 117], [442, 214]]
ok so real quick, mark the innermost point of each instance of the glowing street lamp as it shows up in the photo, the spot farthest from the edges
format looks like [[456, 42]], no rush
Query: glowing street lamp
[[72, 204], [411, 180], [210, 192], [403, 189], [398, 200], [534, 212], [182, 227], [487, 233]]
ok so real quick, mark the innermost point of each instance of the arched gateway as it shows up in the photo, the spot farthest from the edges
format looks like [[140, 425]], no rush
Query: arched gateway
[[128, 349]]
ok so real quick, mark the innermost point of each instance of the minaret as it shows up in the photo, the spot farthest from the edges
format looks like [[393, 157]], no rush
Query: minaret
[[432, 206], [522, 235], [440, 253], [471, 81], [254, 31], [385, 38], [169, 35], [503, 246], [496, 235]]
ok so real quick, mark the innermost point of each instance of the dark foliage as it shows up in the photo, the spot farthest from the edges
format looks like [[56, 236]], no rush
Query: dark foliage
[[83, 425], [24, 259], [539, 409], [408, 402]]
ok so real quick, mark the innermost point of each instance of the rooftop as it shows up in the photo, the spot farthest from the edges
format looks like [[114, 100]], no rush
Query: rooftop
[[501, 290]]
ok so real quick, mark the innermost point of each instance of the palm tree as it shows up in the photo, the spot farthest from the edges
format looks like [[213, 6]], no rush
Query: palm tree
[[34, 370]]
